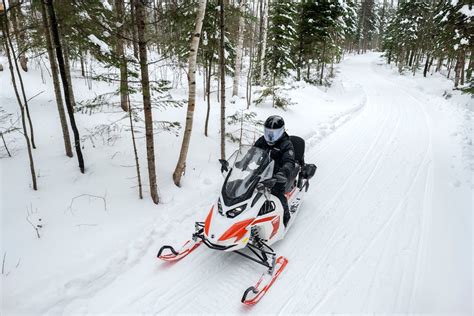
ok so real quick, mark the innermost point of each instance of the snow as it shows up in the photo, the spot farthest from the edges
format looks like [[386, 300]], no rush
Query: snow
[[467, 11], [106, 5], [464, 41], [386, 226], [104, 48]]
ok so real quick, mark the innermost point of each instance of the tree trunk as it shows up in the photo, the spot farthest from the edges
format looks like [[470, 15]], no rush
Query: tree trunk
[[57, 88], [193, 51], [250, 70], [119, 7], [22, 110], [427, 63], [240, 43], [322, 65], [470, 67], [208, 92], [258, 30], [16, 18], [458, 68], [222, 70], [67, 68], [142, 51], [134, 27], [66, 84], [439, 65], [308, 70], [135, 153], [430, 64], [450, 66], [83, 67], [22, 86], [264, 40]]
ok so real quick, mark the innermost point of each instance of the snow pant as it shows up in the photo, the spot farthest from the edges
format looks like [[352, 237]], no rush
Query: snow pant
[[279, 191]]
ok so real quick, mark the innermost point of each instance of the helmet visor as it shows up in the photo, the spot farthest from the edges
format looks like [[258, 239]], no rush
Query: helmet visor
[[272, 135]]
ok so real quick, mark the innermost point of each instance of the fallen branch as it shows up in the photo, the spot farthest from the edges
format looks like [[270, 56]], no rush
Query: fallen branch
[[90, 196], [35, 227]]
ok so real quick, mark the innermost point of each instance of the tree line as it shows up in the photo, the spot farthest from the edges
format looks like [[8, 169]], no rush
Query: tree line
[[261, 44]]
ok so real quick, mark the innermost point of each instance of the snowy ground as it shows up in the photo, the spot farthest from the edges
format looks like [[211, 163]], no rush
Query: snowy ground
[[386, 226]]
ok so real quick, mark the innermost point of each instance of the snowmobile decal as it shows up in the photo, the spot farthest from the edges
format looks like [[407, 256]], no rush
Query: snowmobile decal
[[262, 220], [238, 230], [208, 221], [275, 224]]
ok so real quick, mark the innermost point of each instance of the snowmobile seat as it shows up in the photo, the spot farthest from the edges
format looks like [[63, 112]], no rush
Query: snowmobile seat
[[299, 147]]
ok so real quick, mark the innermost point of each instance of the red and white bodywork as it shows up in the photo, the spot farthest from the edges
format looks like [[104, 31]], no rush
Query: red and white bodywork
[[246, 218], [234, 233]]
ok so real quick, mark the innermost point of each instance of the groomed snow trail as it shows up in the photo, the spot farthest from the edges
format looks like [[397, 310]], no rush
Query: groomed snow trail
[[373, 234]]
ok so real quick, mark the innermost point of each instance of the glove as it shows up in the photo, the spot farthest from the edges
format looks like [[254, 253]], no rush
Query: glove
[[280, 177]]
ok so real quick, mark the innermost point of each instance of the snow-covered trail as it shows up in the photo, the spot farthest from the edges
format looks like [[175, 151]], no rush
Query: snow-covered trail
[[386, 225]]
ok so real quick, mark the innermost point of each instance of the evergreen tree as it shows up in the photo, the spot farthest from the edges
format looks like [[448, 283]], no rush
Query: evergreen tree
[[366, 25], [281, 36]]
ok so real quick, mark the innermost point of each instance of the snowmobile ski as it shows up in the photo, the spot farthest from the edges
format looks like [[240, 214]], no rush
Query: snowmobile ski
[[174, 255], [264, 283]]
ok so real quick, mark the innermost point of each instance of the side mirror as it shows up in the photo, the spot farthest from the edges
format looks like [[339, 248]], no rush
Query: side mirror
[[224, 165]]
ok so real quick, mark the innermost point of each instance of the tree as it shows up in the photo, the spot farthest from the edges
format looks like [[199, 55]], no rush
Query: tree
[[222, 73], [119, 9], [57, 89], [20, 34], [12, 60], [281, 36], [193, 51], [238, 59], [142, 52], [264, 28], [367, 25], [66, 85]]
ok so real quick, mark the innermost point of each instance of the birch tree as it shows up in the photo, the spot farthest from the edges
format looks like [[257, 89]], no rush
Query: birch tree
[[193, 51], [12, 60], [240, 43], [119, 7], [222, 74], [264, 40]]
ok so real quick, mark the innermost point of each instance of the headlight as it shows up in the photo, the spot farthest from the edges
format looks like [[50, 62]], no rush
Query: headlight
[[236, 211]]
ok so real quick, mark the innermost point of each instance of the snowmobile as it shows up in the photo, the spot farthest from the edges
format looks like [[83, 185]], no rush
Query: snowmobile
[[246, 218]]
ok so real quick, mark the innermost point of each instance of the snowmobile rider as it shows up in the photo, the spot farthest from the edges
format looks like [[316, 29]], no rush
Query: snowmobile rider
[[278, 143]]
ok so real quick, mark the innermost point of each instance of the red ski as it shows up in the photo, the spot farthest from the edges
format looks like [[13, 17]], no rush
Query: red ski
[[265, 282]]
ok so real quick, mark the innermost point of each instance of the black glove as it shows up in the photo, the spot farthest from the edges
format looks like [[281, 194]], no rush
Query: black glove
[[280, 177]]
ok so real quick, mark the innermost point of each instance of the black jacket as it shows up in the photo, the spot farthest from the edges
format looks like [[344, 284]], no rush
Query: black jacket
[[282, 152]]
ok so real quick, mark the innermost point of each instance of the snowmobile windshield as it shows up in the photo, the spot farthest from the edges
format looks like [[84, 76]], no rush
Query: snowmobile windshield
[[250, 165]]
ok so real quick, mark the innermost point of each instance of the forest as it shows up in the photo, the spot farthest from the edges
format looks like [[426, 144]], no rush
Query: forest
[[114, 115], [278, 41]]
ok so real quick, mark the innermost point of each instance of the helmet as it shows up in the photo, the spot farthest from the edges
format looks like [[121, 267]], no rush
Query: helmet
[[274, 128]]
